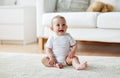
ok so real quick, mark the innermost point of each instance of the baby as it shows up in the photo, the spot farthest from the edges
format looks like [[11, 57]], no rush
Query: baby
[[61, 47]]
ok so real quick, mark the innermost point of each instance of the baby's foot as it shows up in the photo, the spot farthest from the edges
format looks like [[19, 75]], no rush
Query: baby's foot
[[81, 67], [59, 65]]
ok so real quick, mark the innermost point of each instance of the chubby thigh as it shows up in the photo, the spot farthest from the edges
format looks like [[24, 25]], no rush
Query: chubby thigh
[[45, 61], [68, 61]]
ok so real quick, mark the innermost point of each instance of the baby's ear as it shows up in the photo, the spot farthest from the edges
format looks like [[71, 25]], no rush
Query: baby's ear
[[51, 27]]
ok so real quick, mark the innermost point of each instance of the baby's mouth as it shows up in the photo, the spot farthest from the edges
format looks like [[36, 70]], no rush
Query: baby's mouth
[[61, 30]]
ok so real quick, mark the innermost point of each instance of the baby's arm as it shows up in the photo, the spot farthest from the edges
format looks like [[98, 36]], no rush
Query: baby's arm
[[52, 60], [71, 53]]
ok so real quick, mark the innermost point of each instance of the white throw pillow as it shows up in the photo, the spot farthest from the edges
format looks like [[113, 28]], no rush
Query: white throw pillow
[[7, 2], [72, 5]]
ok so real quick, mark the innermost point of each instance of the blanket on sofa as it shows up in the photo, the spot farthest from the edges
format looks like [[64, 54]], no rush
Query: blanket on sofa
[[22, 65]]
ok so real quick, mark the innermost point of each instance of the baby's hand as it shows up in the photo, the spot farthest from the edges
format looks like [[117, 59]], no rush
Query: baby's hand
[[52, 61], [71, 55]]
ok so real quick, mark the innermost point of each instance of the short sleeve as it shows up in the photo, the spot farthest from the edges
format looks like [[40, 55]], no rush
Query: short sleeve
[[72, 40], [49, 43]]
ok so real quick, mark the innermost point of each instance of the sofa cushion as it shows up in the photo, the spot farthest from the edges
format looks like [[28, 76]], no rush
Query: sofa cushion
[[72, 5], [74, 19], [90, 34], [109, 20]]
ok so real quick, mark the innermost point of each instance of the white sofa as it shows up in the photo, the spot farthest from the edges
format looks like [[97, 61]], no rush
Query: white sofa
[[83, 26]]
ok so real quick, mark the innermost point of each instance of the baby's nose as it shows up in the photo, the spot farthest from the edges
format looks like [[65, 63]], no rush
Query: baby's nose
[[61, 26]]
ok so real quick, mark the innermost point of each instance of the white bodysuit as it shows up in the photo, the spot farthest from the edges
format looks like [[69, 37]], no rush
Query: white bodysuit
[[60, 46]]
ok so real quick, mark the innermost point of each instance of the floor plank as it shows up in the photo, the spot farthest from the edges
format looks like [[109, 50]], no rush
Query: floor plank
[[82, 49]]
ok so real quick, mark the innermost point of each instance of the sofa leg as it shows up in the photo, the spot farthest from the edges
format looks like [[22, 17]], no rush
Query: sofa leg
[[41, 43]]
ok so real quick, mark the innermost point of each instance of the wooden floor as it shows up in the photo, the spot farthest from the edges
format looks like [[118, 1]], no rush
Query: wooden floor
[[83, 49]]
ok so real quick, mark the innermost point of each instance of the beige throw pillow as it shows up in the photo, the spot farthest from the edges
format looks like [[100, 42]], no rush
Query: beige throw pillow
[[114, 3]]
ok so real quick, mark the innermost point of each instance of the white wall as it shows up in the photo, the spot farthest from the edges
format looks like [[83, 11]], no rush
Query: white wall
[[26, 2], [18, 2], [7, 2], [39, 13]]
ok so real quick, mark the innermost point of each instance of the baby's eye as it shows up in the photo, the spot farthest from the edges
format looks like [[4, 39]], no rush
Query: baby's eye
[[63, 25], [57, 25]]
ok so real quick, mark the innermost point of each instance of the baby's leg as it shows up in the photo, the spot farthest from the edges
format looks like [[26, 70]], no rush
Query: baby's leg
[[68, 61], [45, 61], [76, 64]]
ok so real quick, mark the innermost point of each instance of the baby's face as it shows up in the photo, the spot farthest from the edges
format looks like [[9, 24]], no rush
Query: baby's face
[[59, 26]]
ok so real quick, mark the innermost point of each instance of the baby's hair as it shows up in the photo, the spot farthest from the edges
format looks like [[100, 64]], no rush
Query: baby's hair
[[58, 16]]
